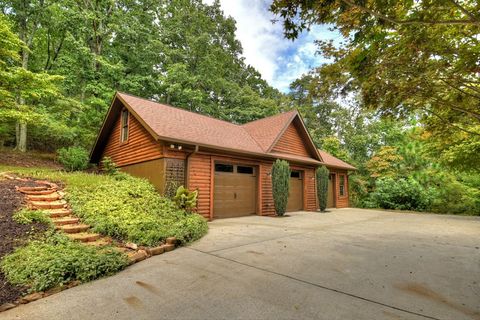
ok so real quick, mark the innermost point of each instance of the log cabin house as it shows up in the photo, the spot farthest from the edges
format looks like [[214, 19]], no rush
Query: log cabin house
[[229, 164]]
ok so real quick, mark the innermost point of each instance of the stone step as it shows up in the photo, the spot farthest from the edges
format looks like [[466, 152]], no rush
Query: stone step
[[57, 204], [58, 213], [84, 237], [39, 188], [39, 192], [99, 243], [65, 221], [45, 197], [74, 228]]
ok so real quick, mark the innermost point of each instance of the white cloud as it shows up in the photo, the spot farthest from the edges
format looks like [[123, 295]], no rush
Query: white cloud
[[279, 61]]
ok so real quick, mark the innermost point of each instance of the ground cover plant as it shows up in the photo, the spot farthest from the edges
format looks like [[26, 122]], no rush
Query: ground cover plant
[[118, 205]]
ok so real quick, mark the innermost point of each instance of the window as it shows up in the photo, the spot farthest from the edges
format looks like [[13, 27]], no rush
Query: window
[[244, 169], [219, 167], [295, 174], [342, 185], [124, 129]]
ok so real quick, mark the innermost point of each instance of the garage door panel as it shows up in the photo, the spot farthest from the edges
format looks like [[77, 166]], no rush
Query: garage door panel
[[234, 194], [295, 194]]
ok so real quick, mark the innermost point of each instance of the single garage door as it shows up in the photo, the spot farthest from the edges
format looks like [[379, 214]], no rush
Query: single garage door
[[330, 197], [295, 194], [235, 190]]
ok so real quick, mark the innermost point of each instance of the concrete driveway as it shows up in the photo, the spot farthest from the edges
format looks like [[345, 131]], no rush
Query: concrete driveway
[[345, 264]]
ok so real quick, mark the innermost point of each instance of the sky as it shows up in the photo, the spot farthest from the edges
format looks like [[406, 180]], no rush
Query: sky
[[280, 61]]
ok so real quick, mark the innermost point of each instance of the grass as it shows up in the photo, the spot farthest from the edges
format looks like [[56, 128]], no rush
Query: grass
[[120, 206]]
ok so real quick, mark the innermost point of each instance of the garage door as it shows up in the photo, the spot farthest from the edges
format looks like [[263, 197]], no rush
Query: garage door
[[295, 195], [330, 198], [235, 190]]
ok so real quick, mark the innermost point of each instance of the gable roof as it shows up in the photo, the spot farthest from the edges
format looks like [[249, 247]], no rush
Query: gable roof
[[173, 124], [331, 161]]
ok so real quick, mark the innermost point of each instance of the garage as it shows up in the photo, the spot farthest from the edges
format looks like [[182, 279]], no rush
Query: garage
[[295, 194], [235, 190]]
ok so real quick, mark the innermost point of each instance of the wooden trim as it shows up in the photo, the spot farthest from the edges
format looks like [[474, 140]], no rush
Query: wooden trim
[[121, 127], [212, 186], [259, 190], [345, 192]]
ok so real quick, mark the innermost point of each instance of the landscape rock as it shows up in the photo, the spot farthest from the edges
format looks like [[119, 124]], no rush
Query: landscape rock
[[131, 245], [137, 256], [168, 247], [32, 297], [7, 306], [171, 240], [157, 250]]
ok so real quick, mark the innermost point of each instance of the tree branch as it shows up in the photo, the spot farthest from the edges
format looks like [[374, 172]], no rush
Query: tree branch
[[449, 123], [410, 21], [465, 11]]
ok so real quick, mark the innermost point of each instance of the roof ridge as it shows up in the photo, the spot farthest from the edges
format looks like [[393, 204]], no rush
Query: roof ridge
[[269, 117], [182, 109]]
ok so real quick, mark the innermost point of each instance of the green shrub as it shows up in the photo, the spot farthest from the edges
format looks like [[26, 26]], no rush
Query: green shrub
[[322, 175], [73, 158], [452, 196], [400, 194], [130, 209], [280, 185], [56, 260], [185, 199], [26, 216], [108, 166]]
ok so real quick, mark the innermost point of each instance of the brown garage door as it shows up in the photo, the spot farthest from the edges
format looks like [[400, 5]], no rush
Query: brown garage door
[[235, 190], [295, 195], [330, 198]]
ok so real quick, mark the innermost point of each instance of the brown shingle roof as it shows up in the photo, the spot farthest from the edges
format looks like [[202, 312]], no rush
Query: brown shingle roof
[[179, 124], [169, 123], [331, 161], [265, 131]]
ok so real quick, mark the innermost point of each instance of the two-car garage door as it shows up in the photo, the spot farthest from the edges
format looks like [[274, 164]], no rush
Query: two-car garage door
[[235, 191]]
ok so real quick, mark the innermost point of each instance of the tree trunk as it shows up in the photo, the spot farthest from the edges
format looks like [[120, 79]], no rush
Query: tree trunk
[[22, 138]]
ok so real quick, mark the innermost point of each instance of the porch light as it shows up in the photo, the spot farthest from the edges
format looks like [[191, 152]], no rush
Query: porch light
[[172, 146], [179, 147]]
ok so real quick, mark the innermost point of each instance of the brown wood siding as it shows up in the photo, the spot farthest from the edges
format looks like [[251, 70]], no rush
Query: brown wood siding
[[200, 174], [139, 147], [153, 171], [311, 193], [267, 207], [340, 201], [291, 142]]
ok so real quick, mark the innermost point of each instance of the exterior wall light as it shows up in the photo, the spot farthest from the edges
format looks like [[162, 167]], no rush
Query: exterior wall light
[[179, 147]]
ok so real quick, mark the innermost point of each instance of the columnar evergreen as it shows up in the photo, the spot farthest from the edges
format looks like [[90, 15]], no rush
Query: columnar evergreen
[[322, 187], [280, 185]]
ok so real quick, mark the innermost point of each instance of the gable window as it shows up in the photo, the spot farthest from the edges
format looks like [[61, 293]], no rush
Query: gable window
[[342, 185], [124, 128]]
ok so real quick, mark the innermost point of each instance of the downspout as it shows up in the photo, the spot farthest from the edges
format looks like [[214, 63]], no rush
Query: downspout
[[187, 173]]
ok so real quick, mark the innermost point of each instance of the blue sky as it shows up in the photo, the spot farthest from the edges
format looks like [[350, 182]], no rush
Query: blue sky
[[280, 61]]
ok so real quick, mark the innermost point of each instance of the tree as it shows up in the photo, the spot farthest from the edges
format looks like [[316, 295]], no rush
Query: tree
[[280, 185], [402, 57], [322, 174], [22, 92]]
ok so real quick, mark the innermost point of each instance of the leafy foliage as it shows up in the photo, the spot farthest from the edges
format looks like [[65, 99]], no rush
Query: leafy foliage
[[401, 57], [73, 158], [280, 185], [185, 199], [108, 166], [57, 260], [322, 175], [130, 209], [400, 194], [26, 216]]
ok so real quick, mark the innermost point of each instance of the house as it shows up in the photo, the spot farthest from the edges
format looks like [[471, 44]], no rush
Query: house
[[229, 164]]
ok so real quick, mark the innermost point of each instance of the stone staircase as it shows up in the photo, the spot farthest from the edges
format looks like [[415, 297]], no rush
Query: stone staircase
[[49, 199]]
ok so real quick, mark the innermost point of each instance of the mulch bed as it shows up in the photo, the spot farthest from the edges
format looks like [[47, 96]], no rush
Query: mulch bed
[[13, 234]]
